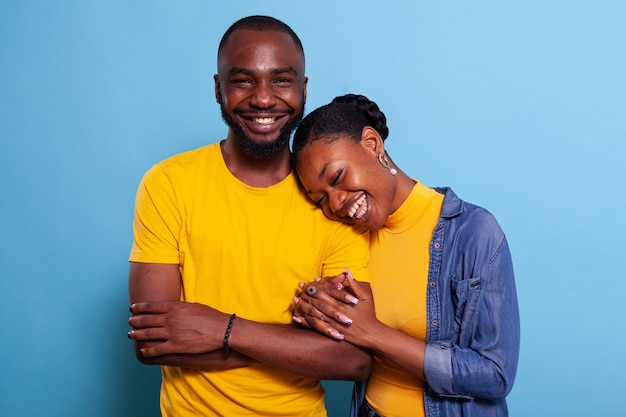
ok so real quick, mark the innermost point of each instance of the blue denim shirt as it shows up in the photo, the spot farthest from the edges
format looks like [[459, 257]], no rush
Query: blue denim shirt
[[473, 334]]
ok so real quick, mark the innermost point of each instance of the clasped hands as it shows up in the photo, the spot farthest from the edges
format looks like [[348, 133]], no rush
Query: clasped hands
[[339, 307]]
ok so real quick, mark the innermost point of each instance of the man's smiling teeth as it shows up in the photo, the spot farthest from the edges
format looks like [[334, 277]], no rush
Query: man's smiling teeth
[[359, 208], [264, 120]]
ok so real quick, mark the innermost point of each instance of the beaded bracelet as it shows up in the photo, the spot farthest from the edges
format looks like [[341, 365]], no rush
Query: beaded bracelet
[[227, 334]]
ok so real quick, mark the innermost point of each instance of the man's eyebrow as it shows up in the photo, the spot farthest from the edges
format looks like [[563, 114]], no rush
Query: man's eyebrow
[[291, 70], [239, 70], [247, 71]]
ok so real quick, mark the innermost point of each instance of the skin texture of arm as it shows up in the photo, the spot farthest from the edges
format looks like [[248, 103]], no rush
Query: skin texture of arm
[[170, 332], [161, 282], [357, 323]]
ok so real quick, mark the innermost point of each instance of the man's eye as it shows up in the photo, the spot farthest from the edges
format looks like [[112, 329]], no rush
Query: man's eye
[[283, 81]]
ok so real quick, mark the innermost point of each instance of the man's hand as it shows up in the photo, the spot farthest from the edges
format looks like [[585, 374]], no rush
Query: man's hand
[[176, 327]]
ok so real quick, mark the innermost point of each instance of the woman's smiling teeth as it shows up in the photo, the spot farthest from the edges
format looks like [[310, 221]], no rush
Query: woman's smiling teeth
[[264, 120], [359, 208]]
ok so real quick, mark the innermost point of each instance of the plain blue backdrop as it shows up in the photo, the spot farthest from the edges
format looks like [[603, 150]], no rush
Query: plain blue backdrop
[[519, 106]]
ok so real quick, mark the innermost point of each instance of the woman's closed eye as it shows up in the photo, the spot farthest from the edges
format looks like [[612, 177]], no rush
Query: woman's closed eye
[[337, 176], [320, 201]]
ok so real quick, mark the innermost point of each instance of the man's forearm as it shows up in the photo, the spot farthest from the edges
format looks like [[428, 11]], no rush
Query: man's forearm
[[301, 351], [178, 328], [215, 360]]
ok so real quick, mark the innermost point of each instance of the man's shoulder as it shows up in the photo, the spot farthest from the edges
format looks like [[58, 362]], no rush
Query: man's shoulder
[[187, 161], [182, 166], [191, 156]]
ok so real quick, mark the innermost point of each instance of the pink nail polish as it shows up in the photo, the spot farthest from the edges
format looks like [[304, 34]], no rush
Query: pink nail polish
[[336, 334], [350, 276], [352, 299]]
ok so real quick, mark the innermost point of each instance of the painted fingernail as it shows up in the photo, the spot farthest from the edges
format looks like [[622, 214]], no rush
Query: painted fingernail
[[297, 319], [352, 299], [339, 286], [334, 333], [350, 276], [344, 319], [296, 300], [317, 279], [301, 284]]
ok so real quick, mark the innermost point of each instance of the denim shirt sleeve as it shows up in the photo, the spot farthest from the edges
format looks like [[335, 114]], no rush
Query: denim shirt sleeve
[[438, 367], [473, 329]]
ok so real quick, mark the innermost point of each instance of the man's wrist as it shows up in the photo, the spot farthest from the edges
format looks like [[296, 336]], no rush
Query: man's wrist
[[227, 333]]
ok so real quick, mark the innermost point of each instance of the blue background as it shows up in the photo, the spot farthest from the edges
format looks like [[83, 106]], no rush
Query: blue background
[[520, 106]]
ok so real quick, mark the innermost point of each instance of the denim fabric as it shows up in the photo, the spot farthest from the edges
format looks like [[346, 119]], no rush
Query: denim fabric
[[473, 339], [366, 410]]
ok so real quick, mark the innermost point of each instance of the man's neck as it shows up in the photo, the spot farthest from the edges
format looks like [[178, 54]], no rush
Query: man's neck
[[256, 172]]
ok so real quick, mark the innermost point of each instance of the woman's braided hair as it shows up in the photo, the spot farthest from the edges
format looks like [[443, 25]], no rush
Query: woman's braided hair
[[345, 116]]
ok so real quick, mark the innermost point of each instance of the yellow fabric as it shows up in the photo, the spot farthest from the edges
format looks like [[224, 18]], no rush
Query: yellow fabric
[[399, 255], [241, 249]]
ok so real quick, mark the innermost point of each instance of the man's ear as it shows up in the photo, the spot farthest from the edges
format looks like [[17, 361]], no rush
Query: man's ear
[[371, 141], [306, 81], [218, 94]]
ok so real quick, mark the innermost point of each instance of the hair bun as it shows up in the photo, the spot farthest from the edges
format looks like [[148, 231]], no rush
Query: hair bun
[[369, 109]]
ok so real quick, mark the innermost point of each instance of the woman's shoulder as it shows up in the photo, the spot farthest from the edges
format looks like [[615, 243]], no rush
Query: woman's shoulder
[[469, 221]]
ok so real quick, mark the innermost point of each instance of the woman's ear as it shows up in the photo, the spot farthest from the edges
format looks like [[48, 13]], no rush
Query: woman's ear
[[371, 141]]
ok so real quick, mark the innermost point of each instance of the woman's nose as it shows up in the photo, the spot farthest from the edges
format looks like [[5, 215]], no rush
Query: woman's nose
[[337, 200]]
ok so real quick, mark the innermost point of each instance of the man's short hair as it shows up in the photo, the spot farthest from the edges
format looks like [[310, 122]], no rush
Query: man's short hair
[[260, 24]]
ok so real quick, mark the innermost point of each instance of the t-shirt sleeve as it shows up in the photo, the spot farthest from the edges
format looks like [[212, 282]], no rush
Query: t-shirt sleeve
[[157, 219], [349, 249]]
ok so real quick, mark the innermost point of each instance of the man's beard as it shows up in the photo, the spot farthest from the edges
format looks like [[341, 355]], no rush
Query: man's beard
[[262, 150]]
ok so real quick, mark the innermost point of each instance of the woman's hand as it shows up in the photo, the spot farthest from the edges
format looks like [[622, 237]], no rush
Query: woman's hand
[[327, 311], [333, 304]]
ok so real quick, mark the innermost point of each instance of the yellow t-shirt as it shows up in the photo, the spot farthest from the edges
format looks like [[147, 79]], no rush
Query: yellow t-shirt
[[399, 274], [241, 250]]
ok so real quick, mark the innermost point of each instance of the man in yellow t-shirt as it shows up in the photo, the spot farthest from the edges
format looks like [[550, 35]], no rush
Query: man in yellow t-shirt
[[223, 235]]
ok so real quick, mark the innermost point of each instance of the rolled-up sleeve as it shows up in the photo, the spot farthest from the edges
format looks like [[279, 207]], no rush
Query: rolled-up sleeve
[[438, 367]]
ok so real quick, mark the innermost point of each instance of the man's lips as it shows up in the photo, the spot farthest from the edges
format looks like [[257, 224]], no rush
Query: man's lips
[[263, 122]]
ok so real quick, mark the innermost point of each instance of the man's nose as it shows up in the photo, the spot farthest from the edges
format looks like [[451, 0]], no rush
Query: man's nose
[[263, 96]]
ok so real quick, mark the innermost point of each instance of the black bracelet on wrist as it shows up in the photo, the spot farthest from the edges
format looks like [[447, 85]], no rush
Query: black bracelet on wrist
[[227, 334]]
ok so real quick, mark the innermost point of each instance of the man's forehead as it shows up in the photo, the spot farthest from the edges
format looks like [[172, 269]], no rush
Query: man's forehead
[[242, 37], [247, 38], [248, 50]]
